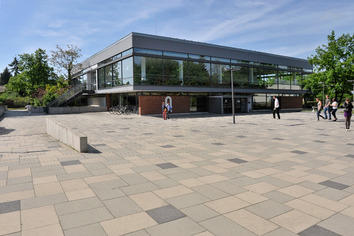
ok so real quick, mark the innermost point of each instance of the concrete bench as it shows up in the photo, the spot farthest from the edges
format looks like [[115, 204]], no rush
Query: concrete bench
[[67, 135]]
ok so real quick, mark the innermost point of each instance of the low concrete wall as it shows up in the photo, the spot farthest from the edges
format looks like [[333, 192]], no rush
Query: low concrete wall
[[66, 135], [79, 109], [2, 110], [33, 109]]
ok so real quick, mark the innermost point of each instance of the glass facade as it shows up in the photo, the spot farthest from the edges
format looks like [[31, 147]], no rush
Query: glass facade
[[166, 68]]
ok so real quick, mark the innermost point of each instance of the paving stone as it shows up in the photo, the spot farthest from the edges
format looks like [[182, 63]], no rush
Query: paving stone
[[167, 146], [298, 152], [128, 224], [237, 160], [316, 230], [69, 163], [85, 217], [199, 212], [122, 206], [218, 144], [295, 221], [335, 185], [10, 222], [180, 227], [339, 224], [38, 217], [223, 226], [70, 207], [268, 209], [43, 201], [165, 214], [87, 230], [6, 207], [166, 165]]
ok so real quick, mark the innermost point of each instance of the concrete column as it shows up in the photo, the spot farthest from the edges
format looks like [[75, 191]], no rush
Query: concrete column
[[180, 69], [251, 75], [220, 73], [143, 68]]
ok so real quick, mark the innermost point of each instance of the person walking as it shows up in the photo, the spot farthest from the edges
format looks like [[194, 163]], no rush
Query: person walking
[[163, 108], [327, 108], [348, 108], [164, 113], [319, 109], [276, 107], [334, 106], [169, 109]]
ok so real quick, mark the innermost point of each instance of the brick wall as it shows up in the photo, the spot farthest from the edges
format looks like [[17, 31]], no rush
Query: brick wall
[[287, 102], [152, 104]]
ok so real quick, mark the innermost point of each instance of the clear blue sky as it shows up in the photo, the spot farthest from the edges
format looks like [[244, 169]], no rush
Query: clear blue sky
[[286, 27]]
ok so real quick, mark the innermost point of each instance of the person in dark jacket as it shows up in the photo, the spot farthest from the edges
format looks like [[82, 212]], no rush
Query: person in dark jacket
[[348, 108]]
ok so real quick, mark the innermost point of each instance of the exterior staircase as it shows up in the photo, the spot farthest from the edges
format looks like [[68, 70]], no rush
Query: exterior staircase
[[70, 94]]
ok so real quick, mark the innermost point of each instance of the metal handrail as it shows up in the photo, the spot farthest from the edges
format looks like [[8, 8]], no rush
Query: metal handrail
[[67, 95]]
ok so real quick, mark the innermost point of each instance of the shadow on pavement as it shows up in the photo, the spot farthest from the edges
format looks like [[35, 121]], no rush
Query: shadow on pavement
[[4, 131]]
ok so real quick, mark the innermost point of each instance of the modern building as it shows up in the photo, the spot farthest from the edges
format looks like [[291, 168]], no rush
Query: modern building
[[143, 70]]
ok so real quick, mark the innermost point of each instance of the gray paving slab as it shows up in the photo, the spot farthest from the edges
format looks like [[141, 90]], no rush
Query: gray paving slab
[[316, 230], [237, 160], [335, 185], [165, 214], [6, 207], [166, 165], [71, 162]]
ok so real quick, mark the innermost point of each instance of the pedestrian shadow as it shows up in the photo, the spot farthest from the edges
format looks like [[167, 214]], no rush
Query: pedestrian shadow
[[4, 131]]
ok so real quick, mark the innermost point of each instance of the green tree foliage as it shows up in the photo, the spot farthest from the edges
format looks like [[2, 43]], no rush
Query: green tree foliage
[[5, 76], [65, 59], [333, 67], [35, 73], [14, 66]]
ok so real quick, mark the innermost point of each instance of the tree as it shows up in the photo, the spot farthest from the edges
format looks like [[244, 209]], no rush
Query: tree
[[14, 66], [5, 76], [35, 73], [333, 66], [65, 59]]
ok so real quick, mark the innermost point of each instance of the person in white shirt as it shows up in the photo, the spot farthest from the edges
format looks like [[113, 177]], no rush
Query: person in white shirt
[[276, 107], [334, 106]]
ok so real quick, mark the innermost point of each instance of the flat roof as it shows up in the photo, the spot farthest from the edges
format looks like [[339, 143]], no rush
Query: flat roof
[[148, 41]]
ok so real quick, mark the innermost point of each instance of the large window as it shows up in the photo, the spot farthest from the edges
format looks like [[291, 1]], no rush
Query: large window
[[127, 65], [101, 78], [285, 78], [196, 73], [148, 71], [117, 74], [220, 74], [264, 78], [173, 72], [108, 76]]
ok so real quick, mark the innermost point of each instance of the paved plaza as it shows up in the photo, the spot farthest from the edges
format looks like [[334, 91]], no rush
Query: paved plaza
[[184, 176]]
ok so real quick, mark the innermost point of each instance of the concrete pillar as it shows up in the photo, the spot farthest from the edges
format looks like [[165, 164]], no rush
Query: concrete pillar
[[251, 75], [143, 68], [180, 69]]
